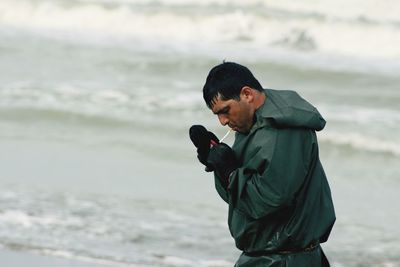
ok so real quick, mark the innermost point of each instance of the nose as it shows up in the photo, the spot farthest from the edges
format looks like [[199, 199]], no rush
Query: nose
[[223, 119]]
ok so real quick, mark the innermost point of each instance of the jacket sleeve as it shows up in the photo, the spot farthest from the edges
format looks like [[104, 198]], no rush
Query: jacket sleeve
[[222, 191], [274, 170]]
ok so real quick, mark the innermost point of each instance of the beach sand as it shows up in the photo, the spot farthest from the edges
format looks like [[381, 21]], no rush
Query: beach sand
[[23, 259]]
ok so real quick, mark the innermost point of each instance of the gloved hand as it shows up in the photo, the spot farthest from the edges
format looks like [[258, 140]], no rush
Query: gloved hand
[[222, 160], [203, 140]]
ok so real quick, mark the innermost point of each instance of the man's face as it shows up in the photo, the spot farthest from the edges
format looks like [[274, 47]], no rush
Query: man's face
[[237, 114]]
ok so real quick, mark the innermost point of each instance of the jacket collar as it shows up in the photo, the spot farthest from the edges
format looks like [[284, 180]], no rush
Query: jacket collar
[[264, 112]]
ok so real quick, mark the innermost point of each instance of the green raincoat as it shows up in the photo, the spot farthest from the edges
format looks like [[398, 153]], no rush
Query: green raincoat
[[280, 205]]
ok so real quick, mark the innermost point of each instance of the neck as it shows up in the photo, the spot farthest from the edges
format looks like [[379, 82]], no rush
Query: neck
[[259, 99]]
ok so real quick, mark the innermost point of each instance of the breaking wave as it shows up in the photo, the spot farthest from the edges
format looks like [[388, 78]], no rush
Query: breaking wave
[[361, 142], [201, 25]]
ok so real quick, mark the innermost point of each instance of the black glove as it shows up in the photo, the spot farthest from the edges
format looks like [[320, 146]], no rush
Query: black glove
[[202, 139], [222, 160]]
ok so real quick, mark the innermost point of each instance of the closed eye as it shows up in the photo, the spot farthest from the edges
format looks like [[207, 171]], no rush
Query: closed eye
[[224, 110]]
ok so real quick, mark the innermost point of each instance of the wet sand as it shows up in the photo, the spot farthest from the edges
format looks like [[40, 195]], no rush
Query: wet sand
[[23, 259]]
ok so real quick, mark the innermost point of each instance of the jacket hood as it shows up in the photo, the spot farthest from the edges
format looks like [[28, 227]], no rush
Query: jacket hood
[[286, 109]]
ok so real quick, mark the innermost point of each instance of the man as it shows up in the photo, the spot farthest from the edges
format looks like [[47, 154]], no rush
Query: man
[[280, 205]]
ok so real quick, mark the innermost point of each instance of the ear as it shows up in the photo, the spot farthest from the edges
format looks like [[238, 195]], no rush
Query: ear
[[247, 94]]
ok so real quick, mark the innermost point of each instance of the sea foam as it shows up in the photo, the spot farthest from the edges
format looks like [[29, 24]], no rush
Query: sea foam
[[370, 34]]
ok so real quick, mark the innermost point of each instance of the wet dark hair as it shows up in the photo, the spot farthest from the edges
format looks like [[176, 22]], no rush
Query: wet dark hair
[[228, 79]]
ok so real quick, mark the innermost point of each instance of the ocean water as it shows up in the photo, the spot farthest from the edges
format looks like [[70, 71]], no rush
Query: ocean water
[[97, 96]]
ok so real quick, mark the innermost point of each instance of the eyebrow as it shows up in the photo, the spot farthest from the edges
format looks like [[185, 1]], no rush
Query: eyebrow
[[221, 110]]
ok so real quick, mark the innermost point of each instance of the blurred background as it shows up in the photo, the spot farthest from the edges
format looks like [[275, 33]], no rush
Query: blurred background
[[97, 96]]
